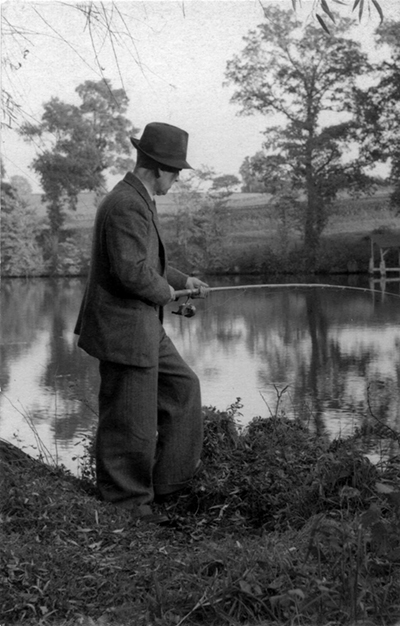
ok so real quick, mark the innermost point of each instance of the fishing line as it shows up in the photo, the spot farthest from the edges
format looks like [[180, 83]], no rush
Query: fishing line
[[226, 301]]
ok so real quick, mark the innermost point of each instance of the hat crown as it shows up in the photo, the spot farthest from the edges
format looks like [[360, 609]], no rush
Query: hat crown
[[164, 143]]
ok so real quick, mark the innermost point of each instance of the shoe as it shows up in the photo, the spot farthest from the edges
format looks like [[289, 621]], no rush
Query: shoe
[[144, 513]]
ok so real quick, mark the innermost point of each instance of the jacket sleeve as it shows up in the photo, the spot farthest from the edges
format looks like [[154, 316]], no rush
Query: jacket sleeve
[[176, 279], [132, 247]]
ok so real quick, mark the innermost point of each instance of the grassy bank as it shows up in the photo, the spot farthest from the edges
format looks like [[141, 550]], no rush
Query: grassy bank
[[280, 528]]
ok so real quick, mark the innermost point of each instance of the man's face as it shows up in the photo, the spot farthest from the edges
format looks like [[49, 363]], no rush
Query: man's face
[[165, 181]]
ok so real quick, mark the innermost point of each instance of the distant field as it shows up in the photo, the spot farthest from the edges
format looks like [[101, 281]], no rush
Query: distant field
[[253, 238], [249, 216], [363, 216], [354, 217]]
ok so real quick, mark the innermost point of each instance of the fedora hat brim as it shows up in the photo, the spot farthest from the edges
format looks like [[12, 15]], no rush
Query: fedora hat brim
[[178, 163]]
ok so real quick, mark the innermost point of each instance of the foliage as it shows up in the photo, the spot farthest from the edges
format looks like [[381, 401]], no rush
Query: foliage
[[21, 254], [379, 109], [225, 183], [343, 255], [72, 259], [255, 178], [280, 527], [326, 11], [200, 221], [187, 197], [300, 76], [22, 187], [85, 141], [274, 474]]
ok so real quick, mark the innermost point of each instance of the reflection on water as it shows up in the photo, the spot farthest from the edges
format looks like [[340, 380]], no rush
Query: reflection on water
[[329, 355]]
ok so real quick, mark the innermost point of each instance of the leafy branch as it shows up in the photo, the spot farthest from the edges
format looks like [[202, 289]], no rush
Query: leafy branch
[[323, 9]]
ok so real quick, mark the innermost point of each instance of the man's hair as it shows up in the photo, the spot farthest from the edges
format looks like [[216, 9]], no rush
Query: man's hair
[[150, 164]]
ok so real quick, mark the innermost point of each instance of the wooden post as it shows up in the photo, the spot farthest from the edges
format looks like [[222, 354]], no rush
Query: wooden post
[[382, 265], [371, 260], [385, 242]]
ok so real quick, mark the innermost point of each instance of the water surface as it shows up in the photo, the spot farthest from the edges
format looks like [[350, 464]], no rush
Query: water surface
[[331, 356]]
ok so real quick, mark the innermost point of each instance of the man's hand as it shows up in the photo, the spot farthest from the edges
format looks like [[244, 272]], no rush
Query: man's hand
[[172, 290], [195, 283]]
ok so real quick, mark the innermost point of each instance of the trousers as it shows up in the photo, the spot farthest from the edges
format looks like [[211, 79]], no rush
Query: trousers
[[150, 431]]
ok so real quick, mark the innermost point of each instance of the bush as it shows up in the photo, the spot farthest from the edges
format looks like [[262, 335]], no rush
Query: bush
[[343, 256], [21, 254]]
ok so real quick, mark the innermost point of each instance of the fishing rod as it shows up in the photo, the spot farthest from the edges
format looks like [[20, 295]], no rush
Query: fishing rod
[[189, 310]]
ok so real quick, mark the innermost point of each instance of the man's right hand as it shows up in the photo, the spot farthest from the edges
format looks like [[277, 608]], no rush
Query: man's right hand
[[172, 290]]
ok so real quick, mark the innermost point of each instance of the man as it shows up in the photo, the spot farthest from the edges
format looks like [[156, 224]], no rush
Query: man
[[150, 430]]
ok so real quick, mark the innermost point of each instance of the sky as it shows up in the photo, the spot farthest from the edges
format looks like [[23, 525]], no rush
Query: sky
[[172, 67]]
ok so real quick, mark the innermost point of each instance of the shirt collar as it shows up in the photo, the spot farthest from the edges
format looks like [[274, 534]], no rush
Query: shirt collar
[[146, 186]]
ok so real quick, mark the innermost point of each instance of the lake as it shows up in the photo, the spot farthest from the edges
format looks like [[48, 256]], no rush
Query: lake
[[329, 355]]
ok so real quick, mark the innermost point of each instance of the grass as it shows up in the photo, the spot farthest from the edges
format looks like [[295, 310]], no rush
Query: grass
[[281, 528]]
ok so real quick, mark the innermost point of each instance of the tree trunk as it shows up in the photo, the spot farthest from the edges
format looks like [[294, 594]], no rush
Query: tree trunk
[[311, 225], [311, 231]]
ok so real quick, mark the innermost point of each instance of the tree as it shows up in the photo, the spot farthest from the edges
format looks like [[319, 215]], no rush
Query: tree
[[303, 77], [85, 141], [20, 251], [200, 221], [251, 172], [264, 174], [22, 187], [225, 183], [379, 109]]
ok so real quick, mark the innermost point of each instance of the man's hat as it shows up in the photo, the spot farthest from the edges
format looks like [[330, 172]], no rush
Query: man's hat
[[165, 144]]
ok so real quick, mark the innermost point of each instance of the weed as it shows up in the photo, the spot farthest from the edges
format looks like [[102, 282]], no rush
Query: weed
[[43, 452]]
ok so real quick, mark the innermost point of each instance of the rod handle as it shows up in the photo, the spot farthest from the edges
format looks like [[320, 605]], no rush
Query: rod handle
[[190, 293]]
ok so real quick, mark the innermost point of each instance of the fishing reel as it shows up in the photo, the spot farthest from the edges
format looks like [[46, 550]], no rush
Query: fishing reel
[[186, 309]]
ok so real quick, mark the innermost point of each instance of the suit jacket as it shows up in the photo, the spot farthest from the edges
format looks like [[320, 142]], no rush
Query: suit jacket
[[128, 281]]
